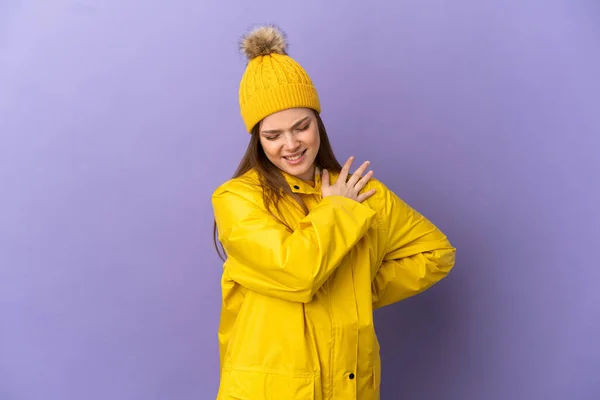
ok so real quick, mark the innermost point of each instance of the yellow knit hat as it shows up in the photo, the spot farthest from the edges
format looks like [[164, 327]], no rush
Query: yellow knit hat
[[273, 81]]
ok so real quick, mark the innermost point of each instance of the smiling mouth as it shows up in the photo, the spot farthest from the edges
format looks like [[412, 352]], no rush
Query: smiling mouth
[[295, 157]]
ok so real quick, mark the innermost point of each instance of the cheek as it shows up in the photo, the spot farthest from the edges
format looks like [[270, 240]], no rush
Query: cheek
[[270, 149], [314, 140]]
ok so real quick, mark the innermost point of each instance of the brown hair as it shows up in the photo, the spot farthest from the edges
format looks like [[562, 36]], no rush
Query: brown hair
[[273, 183]]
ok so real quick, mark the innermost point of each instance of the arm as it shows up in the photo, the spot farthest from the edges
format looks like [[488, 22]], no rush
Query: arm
[[265, 257], [417, 254]]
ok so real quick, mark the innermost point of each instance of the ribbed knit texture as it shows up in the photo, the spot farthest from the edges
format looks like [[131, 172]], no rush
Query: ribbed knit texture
[[273, 83]]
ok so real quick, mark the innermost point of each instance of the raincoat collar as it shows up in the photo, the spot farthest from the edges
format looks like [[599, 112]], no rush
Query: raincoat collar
[[297, 185]]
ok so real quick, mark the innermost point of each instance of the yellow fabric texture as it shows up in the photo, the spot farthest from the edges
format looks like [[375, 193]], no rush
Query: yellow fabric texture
[[297, 305], [273, 83]]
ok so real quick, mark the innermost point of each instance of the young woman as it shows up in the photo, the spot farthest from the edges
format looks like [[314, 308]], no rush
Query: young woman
[[310, 248]]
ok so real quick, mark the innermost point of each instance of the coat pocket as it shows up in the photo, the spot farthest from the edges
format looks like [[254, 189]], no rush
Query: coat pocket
[[250, 385]]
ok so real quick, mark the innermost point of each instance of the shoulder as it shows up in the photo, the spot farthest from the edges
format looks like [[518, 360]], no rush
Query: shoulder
[[385, 200], [246, 186], [377, 201]]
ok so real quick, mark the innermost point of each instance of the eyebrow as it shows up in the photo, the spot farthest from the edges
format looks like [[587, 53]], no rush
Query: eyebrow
[[273, 131]]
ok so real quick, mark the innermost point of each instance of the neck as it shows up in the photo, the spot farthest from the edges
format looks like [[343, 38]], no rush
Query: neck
[[309, 176]]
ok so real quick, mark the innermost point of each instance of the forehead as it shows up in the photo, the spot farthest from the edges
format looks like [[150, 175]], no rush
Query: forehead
[[285, 119]]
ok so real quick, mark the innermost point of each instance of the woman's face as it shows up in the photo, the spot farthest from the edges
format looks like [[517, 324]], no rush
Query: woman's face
[[291, 141]]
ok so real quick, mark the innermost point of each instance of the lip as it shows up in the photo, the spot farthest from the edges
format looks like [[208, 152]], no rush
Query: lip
[[297, 161]]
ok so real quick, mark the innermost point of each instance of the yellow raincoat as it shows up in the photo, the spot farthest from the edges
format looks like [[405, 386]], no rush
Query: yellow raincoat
[[297, 307]]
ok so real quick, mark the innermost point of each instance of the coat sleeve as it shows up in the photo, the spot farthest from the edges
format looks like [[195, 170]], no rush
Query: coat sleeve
[[416, 254], [264, 256]]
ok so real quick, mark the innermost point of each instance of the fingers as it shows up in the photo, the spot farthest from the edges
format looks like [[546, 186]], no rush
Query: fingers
[[358, 174], [349, 186], [364, 196], [363, 181], [345, 170]]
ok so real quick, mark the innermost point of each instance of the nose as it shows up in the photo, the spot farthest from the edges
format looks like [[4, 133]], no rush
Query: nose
[[291, 142]]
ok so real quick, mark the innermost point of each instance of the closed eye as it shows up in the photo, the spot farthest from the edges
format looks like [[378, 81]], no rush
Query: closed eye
[[303, 128]]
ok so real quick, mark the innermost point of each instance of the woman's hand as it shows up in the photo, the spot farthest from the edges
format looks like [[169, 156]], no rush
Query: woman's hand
[[349, 188]]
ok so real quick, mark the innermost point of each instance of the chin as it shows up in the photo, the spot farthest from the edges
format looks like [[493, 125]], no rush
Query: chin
[[296, 170], [300, 171]]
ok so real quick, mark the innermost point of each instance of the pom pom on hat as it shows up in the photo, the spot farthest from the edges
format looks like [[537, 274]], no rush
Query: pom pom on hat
[[263, 41]]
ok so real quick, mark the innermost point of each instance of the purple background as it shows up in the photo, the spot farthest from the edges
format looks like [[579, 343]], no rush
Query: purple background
[[119, 118]]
